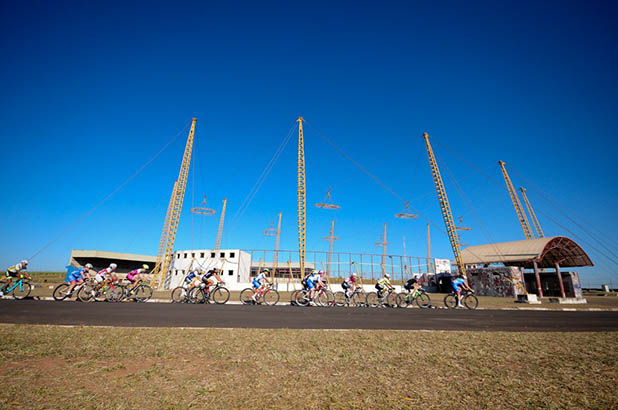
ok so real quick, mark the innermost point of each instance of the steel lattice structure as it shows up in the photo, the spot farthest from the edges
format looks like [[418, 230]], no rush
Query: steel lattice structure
[[521, 216], [172, 218], [302, 207], [445, 207], [535, 221]]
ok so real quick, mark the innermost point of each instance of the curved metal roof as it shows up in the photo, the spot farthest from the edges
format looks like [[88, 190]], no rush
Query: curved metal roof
[[545, 251]]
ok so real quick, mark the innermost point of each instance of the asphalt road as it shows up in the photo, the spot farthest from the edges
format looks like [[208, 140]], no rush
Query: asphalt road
[[239, 316]]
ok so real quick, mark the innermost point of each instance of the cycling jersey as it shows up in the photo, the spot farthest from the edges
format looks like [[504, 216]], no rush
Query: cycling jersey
[[458, 282], [131, 275], [208, 275], [192, 275], [15, 270], [410, 283], [382, 282], [101, 275], [76, 274]]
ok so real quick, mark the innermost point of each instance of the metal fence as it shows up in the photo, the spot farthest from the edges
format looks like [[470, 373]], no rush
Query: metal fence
[[341, 264]]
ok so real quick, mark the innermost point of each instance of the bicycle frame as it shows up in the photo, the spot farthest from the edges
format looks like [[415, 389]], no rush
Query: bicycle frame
[[19, 283]]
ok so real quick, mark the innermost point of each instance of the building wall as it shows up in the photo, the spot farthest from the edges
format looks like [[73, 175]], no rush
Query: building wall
[[507, 281], [235, 263]]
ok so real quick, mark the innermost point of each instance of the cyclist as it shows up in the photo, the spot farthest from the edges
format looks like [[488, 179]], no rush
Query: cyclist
[[207, 278], [258, 284], [104, 275], [412, 284], [459, 282], [382, 284], [349, 285], [16, 271], [315, 282], [136, 275], [193, 279], [77, 277]]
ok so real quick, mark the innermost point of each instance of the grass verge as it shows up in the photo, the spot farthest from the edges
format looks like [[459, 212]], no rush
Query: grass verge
[[85, 367]]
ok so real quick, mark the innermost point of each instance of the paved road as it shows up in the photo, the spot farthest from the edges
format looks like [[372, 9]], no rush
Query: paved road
[[239, 316]]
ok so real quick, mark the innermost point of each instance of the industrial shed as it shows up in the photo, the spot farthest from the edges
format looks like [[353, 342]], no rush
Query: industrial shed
[[540, 262]]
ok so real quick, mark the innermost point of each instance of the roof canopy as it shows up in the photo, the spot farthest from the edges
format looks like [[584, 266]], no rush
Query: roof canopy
[[545, 251]]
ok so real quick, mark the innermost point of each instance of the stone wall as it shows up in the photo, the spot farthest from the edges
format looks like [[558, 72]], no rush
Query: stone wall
[[504, 281]]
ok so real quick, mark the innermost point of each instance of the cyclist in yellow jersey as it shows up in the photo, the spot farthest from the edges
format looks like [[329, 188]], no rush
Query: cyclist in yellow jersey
[[15, 271], [383, 284]]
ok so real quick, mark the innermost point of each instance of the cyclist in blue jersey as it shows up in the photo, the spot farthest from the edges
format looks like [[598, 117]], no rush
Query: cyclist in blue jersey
[[314, 282], [77, 277], [258, 283], [459, 283]]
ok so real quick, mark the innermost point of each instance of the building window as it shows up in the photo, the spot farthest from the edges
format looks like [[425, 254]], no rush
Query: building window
[[202, 255], [185, 256], [178, 256], [212, 254], [192, 255], [232, 254], [230, 272], [222, 255]]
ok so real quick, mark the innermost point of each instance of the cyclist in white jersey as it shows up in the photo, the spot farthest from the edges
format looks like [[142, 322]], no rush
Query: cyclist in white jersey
[[258, 283]]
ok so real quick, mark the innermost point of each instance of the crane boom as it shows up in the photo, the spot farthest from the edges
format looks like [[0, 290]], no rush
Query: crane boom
[[302, 208], [172, 218], [445, 207], [220, 229], [535, 221], [521, 216]]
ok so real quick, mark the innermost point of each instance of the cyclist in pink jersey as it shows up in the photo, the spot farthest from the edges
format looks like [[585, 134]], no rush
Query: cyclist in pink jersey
[[136, 275]]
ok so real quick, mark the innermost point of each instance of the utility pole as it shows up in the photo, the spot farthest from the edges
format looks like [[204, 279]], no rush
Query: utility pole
[[331, 239], [429, 267], [383, 245]]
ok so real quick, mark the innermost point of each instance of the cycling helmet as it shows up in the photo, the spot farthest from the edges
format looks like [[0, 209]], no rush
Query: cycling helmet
[[321, 272], [354, 275], [145, 266], [313, 272], [24, 262], [386, 275], [88, 266], [113, 265], [265, 271]]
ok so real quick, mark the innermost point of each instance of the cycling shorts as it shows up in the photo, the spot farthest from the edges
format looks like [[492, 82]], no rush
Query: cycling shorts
[[257, 284], [345, 285], [99, 278], [75, 279], [310, 285], [10, 274]]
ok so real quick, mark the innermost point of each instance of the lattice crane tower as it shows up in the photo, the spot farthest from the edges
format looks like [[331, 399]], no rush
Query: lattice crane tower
[[302, 207], [535, 221], [331, 240], [220, 229], [445, 207], [521, 216], [172, 218]]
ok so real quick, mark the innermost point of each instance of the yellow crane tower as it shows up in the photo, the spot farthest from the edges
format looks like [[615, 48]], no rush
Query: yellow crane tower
[[172, 218], [220, 229], [302, 208], [445, 207], [521, 216], [535, 221]]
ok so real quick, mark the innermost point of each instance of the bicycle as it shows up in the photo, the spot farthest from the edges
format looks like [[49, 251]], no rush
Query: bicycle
[[388, 299], [356, 298], [323, 297], [139, 293], [422, 299], [108, 291], [20, 289], [467, 299], [218, 293], [60, 291], [268, 296], [180, 294]]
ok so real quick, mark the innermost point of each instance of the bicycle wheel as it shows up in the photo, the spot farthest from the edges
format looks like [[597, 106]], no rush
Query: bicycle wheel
[[270, 297], [114, 294], [402, 300], [179, 295], [22, 291], [390, 300], [294, 296], [471, 301], [220, 295], [142, 294], [359, 299], [371, 299], [302, 298], [246, 296], [100, 295], [60, 292], [125, 293], [340, 299], [450, 301], [85, 293], [198, 295], [423, 300]]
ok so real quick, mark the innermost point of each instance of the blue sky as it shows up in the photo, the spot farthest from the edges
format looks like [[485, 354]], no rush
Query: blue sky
[[93, 91]]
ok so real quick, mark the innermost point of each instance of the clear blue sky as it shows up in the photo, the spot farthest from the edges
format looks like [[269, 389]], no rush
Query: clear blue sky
[[93, 90]]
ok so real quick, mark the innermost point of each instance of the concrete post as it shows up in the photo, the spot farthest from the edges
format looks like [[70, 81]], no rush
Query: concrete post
[[560, 280], [538, 279]]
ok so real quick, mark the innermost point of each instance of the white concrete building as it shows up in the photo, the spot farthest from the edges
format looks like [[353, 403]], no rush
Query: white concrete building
[[236, 266]]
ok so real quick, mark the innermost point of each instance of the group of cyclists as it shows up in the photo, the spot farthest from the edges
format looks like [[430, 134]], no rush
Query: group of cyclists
[[312, 282]]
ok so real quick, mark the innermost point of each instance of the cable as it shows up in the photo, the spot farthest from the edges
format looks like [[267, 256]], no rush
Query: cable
[[118, 188]]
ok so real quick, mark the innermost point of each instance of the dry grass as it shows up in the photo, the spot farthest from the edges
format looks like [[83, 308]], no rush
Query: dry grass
[[85, 367]]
